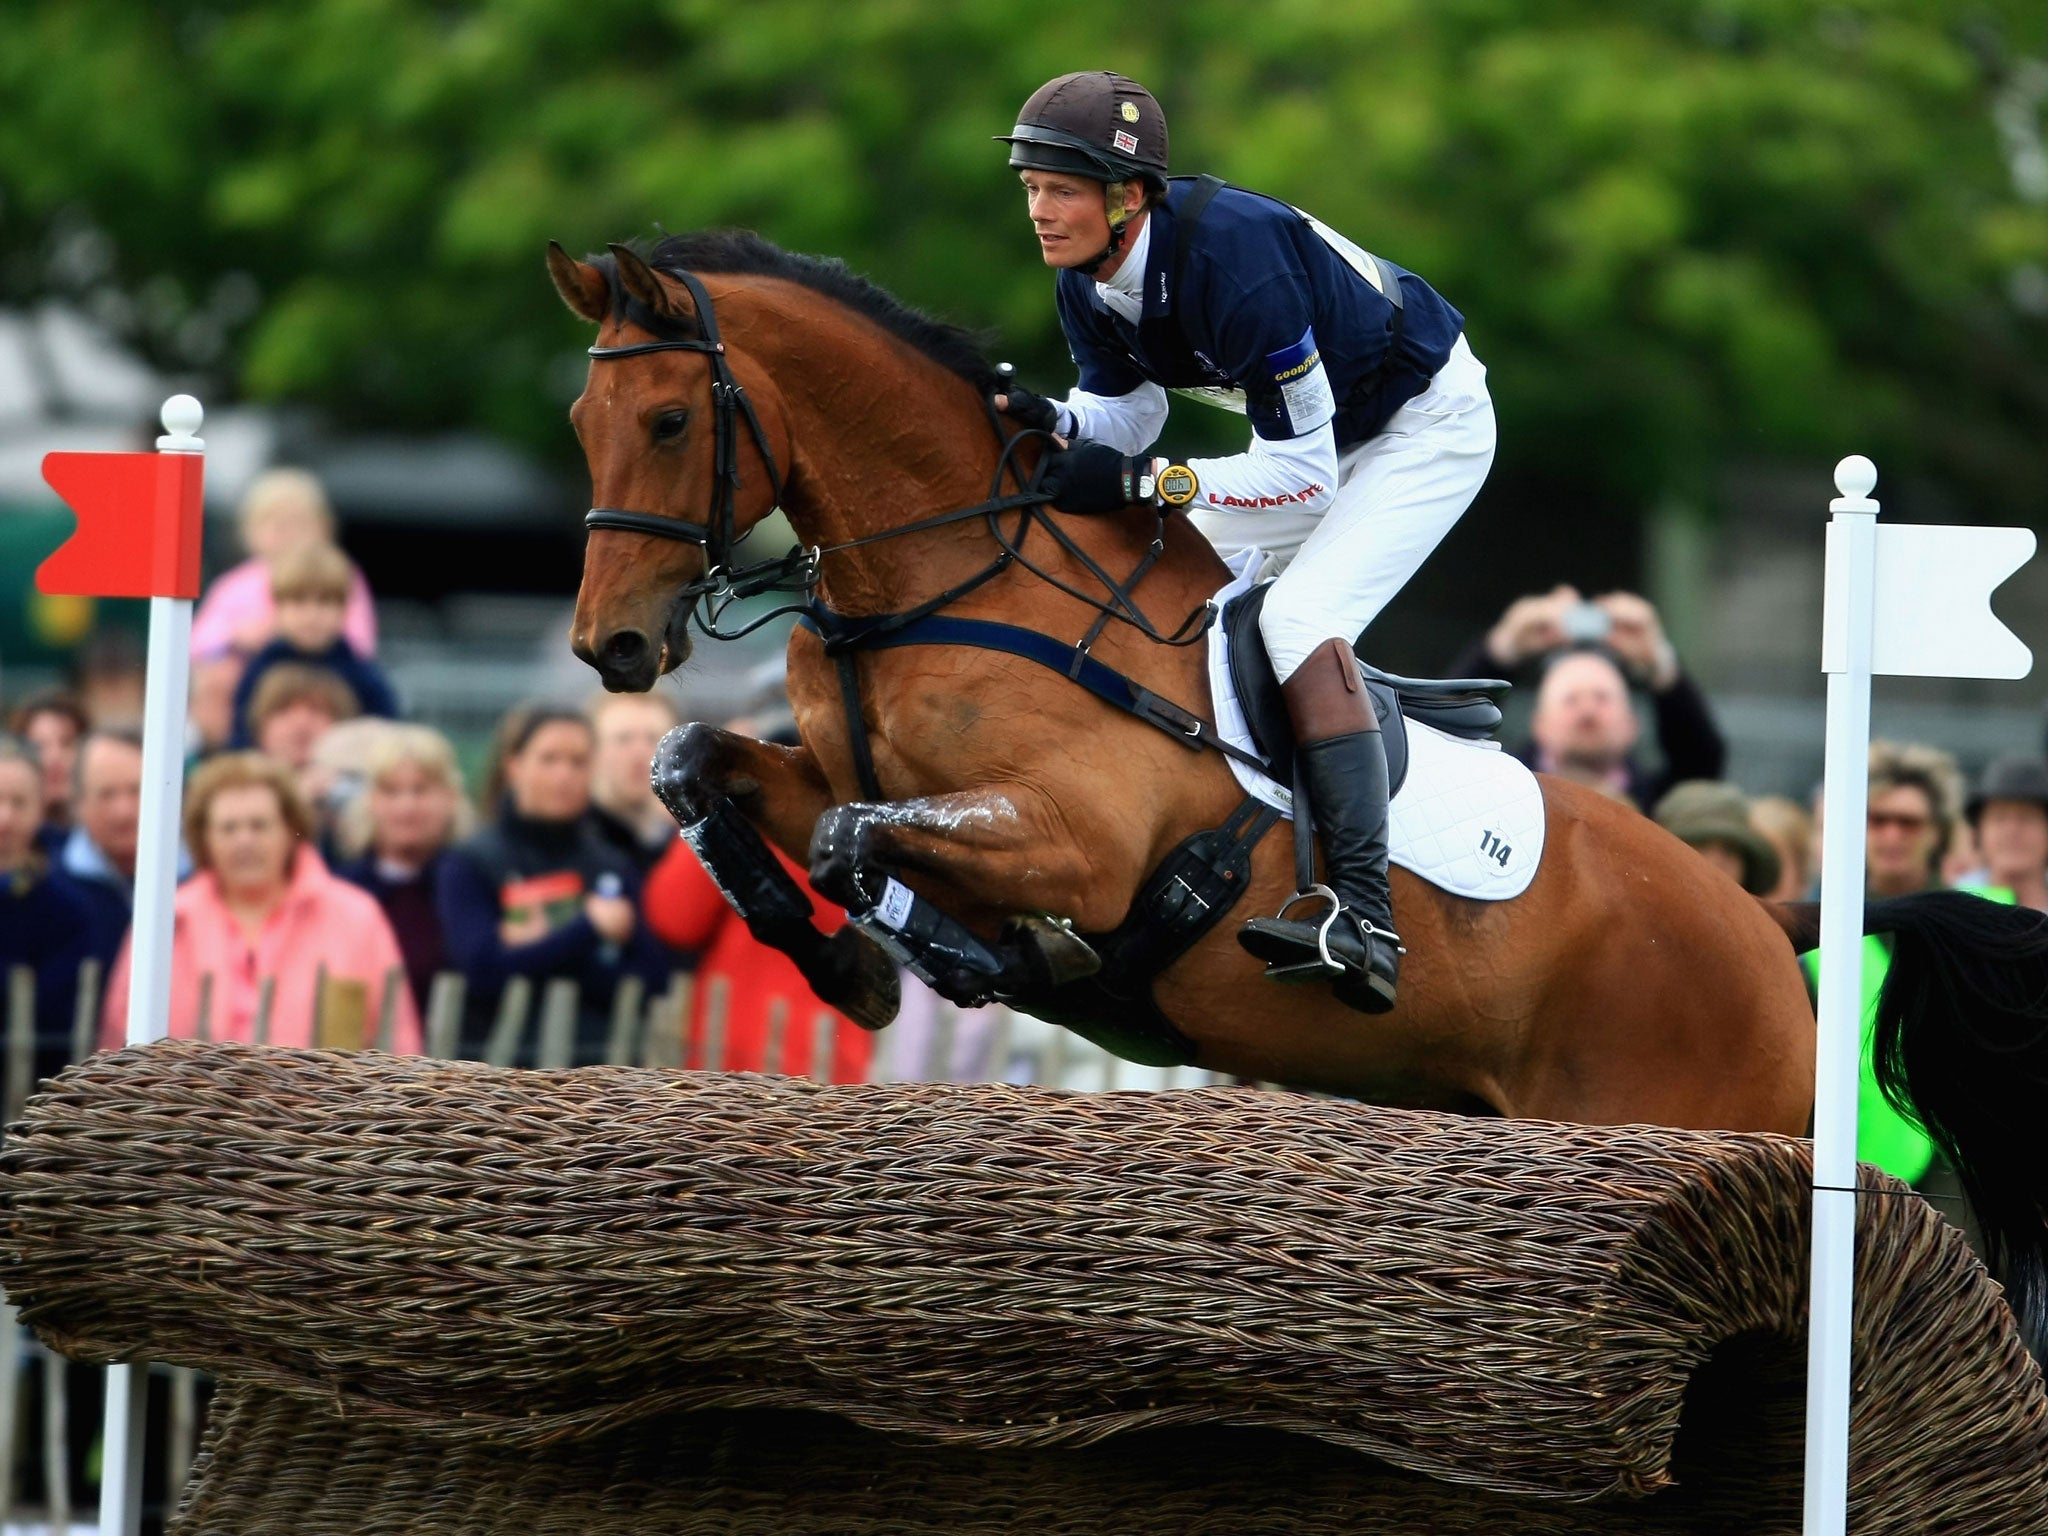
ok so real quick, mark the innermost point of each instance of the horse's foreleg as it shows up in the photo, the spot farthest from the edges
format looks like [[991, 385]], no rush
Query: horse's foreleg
[[980, 841], [725, 791]]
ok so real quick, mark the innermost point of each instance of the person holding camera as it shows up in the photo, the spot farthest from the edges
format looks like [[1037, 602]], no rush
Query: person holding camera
[[1589, 656]]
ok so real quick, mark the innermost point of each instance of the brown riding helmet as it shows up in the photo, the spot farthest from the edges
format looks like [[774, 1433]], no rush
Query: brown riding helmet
[[1094, 123]]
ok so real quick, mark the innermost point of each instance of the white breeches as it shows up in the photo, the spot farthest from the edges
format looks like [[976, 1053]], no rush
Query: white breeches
[[1397, 496]]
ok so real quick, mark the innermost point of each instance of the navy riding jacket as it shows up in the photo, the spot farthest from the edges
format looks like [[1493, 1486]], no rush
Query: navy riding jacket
[[1263, 294]]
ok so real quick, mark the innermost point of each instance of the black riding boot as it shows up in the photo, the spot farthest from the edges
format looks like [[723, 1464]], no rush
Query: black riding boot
[[1342, 763]]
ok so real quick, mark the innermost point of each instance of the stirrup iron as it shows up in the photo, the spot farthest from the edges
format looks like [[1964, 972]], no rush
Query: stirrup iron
[[1325, 964]]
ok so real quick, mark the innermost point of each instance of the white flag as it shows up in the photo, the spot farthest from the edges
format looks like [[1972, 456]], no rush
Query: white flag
[[1932, 602]]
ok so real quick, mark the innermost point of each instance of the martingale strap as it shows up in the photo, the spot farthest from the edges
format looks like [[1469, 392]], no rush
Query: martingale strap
[[1070, 661]]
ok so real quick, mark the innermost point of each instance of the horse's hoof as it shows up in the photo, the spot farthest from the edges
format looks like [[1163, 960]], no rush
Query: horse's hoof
[[1052, 952], [853, 974]]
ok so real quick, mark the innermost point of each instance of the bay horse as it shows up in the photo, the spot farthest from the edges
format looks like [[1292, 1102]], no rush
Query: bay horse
[[980, 789]]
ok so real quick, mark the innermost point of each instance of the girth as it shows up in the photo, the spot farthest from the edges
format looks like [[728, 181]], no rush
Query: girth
[[1191, 891]]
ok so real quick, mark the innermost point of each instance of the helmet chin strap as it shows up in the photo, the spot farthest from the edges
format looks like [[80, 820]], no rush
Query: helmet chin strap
[[1119, 226]]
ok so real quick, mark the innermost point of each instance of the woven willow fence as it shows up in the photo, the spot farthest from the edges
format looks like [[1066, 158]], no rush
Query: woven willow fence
[[450, 1298], [541, 1024]]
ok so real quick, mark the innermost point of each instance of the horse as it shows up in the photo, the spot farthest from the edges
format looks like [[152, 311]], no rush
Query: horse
[[1007, 813]]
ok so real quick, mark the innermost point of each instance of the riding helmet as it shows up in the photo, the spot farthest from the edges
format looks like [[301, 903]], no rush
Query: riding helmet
[[1094, 123]]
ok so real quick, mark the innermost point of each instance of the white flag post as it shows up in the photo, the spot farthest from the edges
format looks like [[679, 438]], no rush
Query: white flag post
[[1903, 600], [149, 984]]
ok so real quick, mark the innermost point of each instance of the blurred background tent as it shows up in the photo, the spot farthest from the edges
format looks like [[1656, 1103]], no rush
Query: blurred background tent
[[1704, 248]]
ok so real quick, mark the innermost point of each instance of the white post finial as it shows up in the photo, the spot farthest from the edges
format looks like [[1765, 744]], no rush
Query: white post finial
[[1855, 478], [181, 416]]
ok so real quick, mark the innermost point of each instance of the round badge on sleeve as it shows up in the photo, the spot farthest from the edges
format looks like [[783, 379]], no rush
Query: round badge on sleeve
[[1177, 485]]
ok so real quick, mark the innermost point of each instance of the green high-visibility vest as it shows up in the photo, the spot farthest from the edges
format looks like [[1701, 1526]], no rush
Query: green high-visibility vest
[[1883, 1135]]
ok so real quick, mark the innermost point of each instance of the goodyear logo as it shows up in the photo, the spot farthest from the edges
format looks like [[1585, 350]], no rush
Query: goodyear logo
[[1299, 370]]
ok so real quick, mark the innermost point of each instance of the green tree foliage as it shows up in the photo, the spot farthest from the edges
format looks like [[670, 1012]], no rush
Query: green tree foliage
[[1681, 232]]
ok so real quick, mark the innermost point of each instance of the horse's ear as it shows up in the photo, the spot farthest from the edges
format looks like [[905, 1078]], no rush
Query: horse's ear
[[581, 285], [642, 283]]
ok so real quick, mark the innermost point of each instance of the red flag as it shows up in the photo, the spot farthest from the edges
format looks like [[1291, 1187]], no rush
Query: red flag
[[138, 525]]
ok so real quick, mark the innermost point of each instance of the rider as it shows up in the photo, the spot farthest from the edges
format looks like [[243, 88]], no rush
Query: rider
[[1372, 432]]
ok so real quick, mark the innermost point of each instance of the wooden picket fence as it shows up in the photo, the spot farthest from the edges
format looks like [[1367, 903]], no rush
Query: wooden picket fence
[[984, 1045]]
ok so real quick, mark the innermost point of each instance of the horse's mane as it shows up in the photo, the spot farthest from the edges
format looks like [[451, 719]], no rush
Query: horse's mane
[[742, 251]]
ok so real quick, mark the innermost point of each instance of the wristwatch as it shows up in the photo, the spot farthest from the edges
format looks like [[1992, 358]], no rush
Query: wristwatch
[[1177, 485]]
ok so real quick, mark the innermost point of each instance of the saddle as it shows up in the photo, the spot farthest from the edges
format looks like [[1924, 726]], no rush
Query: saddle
[[1468, 707]]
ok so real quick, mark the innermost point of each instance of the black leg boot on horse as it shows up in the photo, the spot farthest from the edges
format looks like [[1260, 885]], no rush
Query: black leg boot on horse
[[691, 772], [1341, 763], [1034, 953]]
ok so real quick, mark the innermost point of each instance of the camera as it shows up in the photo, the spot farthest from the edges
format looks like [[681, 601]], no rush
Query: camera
[[1585, 624]]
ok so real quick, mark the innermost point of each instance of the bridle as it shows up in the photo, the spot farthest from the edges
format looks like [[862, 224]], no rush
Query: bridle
[[798, 570], [728, 403]]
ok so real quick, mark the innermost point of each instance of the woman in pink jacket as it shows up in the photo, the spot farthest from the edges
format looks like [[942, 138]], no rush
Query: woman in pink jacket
[[261, 904]]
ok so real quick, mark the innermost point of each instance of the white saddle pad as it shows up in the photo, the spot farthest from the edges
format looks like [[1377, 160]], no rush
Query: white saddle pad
[[1468, 818]]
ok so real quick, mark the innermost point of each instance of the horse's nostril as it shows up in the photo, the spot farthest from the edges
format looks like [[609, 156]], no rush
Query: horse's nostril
[[625, 648]]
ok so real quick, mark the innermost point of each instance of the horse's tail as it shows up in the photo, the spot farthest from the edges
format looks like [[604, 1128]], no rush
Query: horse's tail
[[1961, 1046], [1961, 1049]]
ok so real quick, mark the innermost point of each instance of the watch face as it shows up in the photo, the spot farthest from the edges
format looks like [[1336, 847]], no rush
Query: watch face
[[1177, 485]]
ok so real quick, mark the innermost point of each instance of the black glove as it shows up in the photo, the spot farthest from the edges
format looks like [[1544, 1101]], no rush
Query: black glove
[[1029, 409], [1092, 478]]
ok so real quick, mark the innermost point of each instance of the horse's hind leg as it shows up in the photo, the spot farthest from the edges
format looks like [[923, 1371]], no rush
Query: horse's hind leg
[[722, 788], [979, 841]]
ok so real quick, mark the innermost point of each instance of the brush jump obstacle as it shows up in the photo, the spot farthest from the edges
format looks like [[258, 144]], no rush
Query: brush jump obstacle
[[449, 1297]]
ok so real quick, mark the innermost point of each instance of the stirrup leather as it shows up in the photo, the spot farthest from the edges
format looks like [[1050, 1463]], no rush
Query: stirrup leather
[[1325, 963]]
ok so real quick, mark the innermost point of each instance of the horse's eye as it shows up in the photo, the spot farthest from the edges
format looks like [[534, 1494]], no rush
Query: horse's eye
[[668, 426]]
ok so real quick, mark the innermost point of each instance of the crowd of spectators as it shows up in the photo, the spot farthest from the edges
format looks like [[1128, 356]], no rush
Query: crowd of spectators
[[332, 860], [332, 850]]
